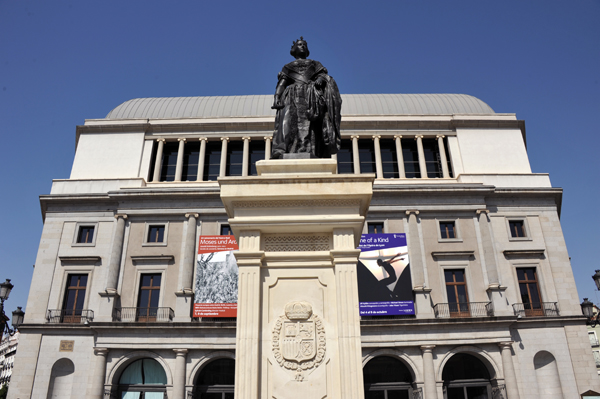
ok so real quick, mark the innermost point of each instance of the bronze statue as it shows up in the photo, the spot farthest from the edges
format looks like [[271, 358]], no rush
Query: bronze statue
[[308, 105]]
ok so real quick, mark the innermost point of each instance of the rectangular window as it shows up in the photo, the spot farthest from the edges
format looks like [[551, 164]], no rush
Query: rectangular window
[[410, 155], [447, 230], [433, 162], [389, 159], [212, 160], [530, 291], [366, 155], [597, 357], [375, 228], [74, 298], [148, 297], [256, 153], [235, 156], [456, 289], [169, 161], [156, 233], [344, 158], [191, 156], [593, 338], [226, 230], [517, 228], [85, 235]]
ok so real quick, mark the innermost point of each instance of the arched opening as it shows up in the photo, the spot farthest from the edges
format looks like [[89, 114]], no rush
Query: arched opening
[[143, 379], [216, 380], [466, 377], [386, 377], [61, 379], [547, 376]]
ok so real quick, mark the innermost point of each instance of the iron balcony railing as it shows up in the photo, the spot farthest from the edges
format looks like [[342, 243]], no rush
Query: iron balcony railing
[[465, 309], [143, 314], [75, 316], [531, 309]]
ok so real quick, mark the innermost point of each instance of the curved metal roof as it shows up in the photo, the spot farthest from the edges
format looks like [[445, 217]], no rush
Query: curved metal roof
[[260, 105]]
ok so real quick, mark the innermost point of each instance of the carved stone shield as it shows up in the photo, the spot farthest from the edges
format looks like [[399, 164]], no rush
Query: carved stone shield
[[299, 342], [299, 338]]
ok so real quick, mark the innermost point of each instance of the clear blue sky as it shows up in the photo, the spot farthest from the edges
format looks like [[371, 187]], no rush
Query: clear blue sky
[[64, 62]]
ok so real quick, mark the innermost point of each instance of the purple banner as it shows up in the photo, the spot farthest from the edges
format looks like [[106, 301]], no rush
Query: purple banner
[[386, 308]]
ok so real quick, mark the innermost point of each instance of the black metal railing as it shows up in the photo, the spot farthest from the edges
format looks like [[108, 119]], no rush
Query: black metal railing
[[542, 309], [75, 316], [499, 392], [143, 314], [465, 309]]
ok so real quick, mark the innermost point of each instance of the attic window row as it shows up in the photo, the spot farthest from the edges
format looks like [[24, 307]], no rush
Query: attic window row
[[204, 160]]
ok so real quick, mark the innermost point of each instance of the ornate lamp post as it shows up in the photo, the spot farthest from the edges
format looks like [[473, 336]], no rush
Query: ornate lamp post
[[18, 314], [587, 307]]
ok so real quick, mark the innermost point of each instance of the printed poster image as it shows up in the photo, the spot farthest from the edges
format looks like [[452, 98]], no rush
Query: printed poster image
[[216, 284], [383, 272]]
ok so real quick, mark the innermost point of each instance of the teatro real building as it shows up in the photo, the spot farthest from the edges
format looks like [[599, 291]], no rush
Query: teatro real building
[[493, 310]]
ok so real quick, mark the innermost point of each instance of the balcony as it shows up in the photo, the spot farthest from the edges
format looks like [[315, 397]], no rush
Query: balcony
[[462, 310], [72, 316], [143, 315], [542, 309]]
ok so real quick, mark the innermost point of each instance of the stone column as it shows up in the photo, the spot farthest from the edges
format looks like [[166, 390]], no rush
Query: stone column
[[510, 378], [344, 261], [245, 155], [185, 294], [201, 159], [267, 147], [429, 372], [355, 156], [97, 388], [400, 156], [115, 255], [378, 163], [422, 163], [417, 268], [180, 152], [249, 325], [223, 168], [443, 159], [495, 289], [179, 375], [158, 160]]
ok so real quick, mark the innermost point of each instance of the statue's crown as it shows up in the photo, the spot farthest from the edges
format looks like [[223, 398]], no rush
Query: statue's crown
[[299, 40], [298, 310]]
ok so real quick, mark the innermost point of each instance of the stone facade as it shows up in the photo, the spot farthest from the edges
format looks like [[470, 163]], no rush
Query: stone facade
[[131, 172]]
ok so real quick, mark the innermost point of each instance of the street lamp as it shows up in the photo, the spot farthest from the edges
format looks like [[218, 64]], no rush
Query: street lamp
[[18, 314], [596, 278]]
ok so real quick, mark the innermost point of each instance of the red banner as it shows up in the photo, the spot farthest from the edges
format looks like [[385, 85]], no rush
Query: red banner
[[210, 244], [215, 310]]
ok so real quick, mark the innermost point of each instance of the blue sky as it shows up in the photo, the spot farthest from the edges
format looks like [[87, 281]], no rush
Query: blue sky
[[64, 62]]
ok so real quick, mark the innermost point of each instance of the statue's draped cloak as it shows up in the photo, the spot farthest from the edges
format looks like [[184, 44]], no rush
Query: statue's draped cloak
[[309, 121]]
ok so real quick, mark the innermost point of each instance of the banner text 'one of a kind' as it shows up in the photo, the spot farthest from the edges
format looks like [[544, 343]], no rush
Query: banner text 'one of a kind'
[[383, 272], [216, 283]]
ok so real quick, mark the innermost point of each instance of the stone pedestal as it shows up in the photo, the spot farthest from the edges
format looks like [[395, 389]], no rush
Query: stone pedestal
[[298, 225]]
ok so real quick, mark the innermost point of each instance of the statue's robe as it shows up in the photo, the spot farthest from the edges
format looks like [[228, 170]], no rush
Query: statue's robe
[[309, 121]]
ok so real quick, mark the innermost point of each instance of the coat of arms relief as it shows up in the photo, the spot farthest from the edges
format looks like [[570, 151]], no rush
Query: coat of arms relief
[[299, 339]]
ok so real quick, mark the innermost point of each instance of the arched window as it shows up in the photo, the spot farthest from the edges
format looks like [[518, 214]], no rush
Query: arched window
[[216, 380], [387, 378], [466, 377], [143, 379]]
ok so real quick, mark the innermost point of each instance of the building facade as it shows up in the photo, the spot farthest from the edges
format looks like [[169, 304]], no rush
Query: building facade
[[497, 310], [8, 350]]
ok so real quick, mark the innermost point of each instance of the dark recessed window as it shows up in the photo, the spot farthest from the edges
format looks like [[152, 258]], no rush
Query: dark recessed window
[[517, 228], [366, 156], [191, 156], [447, 230], [432, 158], [375, 228], [85, 235], [156, 233], [410, 154], [344, 158], [256, 152], [226, 230], [169, 161], [212, 160], [389, 159], [74, 297], [235, 156]]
